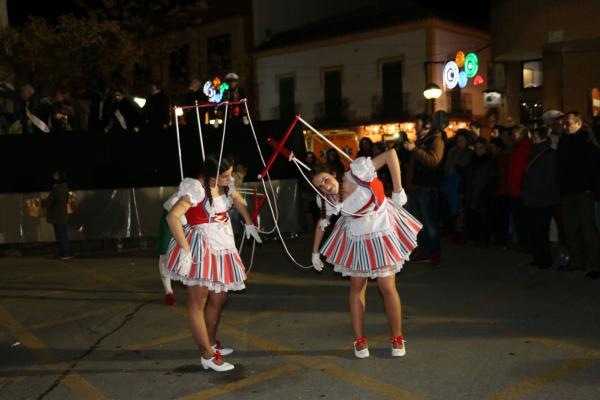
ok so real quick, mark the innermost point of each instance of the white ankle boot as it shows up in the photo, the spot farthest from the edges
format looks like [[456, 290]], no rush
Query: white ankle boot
[[211, 363], [225, 351], [398, 352], [364, 353]]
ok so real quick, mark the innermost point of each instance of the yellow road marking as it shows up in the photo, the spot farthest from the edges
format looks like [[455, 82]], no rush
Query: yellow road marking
[[78, 317], [374, 385], [255, 342], [533, 383], [81, 388], [242, 383]]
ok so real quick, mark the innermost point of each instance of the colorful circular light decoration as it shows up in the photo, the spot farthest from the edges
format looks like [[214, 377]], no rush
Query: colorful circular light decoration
[[450, 74], [478, 80], [214, 90], [462, 79], [471, 65], [460, 59]]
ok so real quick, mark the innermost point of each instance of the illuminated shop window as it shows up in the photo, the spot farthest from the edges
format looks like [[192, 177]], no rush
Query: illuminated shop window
[[532, 74]]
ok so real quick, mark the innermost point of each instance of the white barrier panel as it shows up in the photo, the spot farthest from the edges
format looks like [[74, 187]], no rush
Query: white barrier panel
[[126, 213]]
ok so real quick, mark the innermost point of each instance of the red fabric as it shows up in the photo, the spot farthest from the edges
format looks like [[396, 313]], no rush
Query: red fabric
[[516, 166], [361, 340], [197, 215]]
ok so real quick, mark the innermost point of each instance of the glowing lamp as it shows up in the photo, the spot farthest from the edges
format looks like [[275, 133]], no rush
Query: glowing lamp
[[432, 91], [178, 112], [140, 101], [478, 80]]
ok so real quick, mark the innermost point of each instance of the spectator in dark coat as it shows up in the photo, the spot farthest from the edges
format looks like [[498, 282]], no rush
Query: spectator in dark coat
[[124, 114], [577, 173], [365, 148], [158, 108], [194, 95], [540, 194], [31, 113], [334, 163], [56, 212], [501, 208], [481, 183], [423, 179], [516, 168]]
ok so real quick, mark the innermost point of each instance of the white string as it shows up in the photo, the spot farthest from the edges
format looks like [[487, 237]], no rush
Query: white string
[[178, 142], [279, 232], [276, 218], [309, 126], [222, 143], [200, 130], [327, 200]]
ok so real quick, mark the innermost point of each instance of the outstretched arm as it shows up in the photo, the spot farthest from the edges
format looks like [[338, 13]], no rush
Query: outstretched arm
[[390, 158], [174, 222]]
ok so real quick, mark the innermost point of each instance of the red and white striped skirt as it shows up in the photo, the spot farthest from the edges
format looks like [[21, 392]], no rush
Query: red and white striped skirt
[[219, 268], [378, 253]]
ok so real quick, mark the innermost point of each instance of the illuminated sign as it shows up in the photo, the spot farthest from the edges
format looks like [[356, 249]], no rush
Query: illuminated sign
[[214, 90], [450, 75], [461, 69]]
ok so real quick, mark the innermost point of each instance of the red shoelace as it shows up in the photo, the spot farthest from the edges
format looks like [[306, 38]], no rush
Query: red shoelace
[[361, 340], [217, 356], [398, 340], [218, 345]]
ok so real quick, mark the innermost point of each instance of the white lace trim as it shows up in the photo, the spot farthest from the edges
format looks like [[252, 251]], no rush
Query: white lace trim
[[216, 287], [374, 274]]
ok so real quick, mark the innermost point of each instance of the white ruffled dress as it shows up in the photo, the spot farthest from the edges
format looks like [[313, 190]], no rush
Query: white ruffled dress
[[374, 236], [215, 262]]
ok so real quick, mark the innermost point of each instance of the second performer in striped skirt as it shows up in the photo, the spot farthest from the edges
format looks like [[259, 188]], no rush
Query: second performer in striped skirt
[[373, 238]]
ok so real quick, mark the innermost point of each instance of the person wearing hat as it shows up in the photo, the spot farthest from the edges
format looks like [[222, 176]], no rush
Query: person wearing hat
[[235, 93]]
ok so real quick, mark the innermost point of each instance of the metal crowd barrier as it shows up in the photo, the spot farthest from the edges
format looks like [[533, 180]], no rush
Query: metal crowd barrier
[[128, 213]]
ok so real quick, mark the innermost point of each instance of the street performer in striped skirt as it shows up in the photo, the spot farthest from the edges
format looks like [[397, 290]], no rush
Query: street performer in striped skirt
[[372, 239], [203, 256]]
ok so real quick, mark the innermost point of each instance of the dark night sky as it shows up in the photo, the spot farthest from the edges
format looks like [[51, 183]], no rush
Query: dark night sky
[[475, 13]]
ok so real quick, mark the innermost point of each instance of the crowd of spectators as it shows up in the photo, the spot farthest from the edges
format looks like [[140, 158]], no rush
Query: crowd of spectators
[[518, 187], [113, 111]]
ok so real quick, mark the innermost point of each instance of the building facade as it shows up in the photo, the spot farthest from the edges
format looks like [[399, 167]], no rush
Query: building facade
[[373, 75], [546, 54], [218, 41]]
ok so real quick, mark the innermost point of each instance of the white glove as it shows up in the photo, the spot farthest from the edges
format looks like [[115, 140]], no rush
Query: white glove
[[252, 231], [323, 224], [399, 198], [316, 262], [184, 264]]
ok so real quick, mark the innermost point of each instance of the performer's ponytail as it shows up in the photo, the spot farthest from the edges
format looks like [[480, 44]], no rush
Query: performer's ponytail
[[211, 169]]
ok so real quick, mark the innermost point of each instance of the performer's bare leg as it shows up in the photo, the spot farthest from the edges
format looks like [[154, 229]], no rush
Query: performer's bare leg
[[393, 307], [197, 298], [166, 281], [358, 288], [212, 313]]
